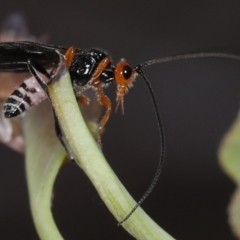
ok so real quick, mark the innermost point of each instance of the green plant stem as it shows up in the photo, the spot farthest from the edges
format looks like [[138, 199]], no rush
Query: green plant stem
[[44, 157], [91, 160]]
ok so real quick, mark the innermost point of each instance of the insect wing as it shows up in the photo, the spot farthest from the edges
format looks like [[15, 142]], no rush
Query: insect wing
[[14, 55]]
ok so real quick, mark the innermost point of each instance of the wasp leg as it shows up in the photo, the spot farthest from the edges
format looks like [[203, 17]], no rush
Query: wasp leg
[[79, 94], [94, 80], [35, 69], [101, 66], [84, 100], [105, 101]]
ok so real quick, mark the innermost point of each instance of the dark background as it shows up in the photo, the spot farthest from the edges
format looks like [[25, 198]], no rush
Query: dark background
[[198, 99]]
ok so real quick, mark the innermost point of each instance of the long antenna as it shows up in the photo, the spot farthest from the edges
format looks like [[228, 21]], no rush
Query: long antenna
[[139, 70], [190, 56]]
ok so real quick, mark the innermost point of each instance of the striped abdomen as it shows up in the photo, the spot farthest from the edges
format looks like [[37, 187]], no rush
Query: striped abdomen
[[28, 94]]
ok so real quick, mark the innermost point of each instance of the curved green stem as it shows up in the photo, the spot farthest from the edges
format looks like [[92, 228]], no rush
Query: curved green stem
[[44, 157], [91, 160]]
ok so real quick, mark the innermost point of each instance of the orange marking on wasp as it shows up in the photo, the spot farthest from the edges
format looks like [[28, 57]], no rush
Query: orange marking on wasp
[[69, 55]]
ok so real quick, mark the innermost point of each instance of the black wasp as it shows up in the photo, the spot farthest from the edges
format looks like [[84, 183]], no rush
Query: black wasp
[[88, 69]]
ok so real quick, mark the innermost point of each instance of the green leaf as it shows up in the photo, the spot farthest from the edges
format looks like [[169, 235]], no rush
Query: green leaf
[[229, 157], [234, 212], [229, 152]]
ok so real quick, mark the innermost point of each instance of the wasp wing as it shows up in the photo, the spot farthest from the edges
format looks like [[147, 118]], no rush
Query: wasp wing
[[14, 55]]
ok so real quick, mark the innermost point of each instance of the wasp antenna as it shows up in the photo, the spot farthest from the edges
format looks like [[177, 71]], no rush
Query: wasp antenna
[[190, 56], [138, 69]]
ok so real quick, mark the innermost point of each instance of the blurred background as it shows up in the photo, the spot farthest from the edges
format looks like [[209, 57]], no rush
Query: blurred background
[[198, 99]]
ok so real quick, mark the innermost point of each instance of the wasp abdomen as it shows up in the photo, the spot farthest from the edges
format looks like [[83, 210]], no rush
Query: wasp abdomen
[[28, 94]]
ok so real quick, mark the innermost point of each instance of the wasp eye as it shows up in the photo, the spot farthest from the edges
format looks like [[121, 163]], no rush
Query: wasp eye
[[123, 73], [127, 71]]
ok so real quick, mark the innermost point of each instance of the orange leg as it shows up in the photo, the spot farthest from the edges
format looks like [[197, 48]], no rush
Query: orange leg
[[84, 100], [102, 65], [105, 101]]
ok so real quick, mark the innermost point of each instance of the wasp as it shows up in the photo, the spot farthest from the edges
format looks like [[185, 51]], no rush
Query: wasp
[[88, 69]]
